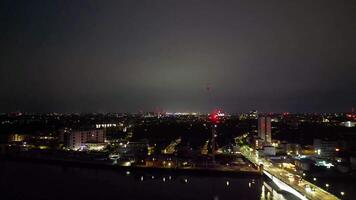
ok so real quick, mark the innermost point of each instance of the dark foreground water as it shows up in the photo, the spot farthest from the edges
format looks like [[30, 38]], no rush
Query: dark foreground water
[[21, 180]]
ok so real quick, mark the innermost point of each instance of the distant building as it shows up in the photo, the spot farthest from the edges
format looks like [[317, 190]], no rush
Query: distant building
[[264, 129], [257, 143], [16, 138], [269, 151], [77, 139], [107, 125], [348, 124], [325, 149], [253, 114], [261, 128], [293, 149], [268, 130], [133, 148], [304, 164], [308, 150]]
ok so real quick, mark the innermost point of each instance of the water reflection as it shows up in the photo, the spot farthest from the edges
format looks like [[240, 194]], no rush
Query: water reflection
[[24, 180]]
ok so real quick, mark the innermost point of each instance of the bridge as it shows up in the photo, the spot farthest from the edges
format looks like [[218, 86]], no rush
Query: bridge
[[286, 181]]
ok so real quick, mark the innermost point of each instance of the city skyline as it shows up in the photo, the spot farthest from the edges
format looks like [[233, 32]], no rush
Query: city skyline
[[178, 99]]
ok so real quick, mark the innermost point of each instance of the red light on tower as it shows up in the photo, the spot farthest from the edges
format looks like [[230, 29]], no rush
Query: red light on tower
[[214, 116]]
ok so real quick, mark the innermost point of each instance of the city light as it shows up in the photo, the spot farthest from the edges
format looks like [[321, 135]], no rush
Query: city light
[[108, 99]]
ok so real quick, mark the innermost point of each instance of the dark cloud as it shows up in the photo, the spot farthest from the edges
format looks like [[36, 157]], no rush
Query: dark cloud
[[144, 55]]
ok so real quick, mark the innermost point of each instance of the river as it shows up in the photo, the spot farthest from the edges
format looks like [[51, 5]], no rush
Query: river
[[24, 180]]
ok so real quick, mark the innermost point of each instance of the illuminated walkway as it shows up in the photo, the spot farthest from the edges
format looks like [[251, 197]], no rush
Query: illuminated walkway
[[283, 179]]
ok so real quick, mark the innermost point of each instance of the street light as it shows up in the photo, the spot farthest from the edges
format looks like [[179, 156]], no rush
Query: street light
[[342, 193], [327, 185], [314, 179]]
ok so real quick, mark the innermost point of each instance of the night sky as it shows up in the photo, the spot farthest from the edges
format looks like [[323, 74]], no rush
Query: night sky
[[136, 55]]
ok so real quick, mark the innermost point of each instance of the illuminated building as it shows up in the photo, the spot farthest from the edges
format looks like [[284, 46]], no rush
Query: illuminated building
[[293, 149], [253, 114], [264, 129], [258, 143], [325, 148], [16, 138], [268, 136], [261, 128], [348, 124], [77, 139], [135, 148], [269, 151], [105, 125]]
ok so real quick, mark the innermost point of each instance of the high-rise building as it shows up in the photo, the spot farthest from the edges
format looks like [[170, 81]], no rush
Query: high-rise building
[[261, 127], [268, 130], [264, 129]]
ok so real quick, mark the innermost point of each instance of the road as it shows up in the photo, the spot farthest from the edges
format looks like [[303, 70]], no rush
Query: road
[[307, 189]]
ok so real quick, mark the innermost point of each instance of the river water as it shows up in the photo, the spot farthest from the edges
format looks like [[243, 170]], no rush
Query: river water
[[22, 180]]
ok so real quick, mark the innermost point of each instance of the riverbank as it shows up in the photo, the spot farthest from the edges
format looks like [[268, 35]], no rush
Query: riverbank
[[103, 165]]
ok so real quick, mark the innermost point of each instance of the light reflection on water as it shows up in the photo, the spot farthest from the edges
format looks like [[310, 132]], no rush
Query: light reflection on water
[[39, 181]]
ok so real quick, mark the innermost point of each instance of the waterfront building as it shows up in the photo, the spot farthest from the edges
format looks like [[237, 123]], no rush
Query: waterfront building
[[78, 139]]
